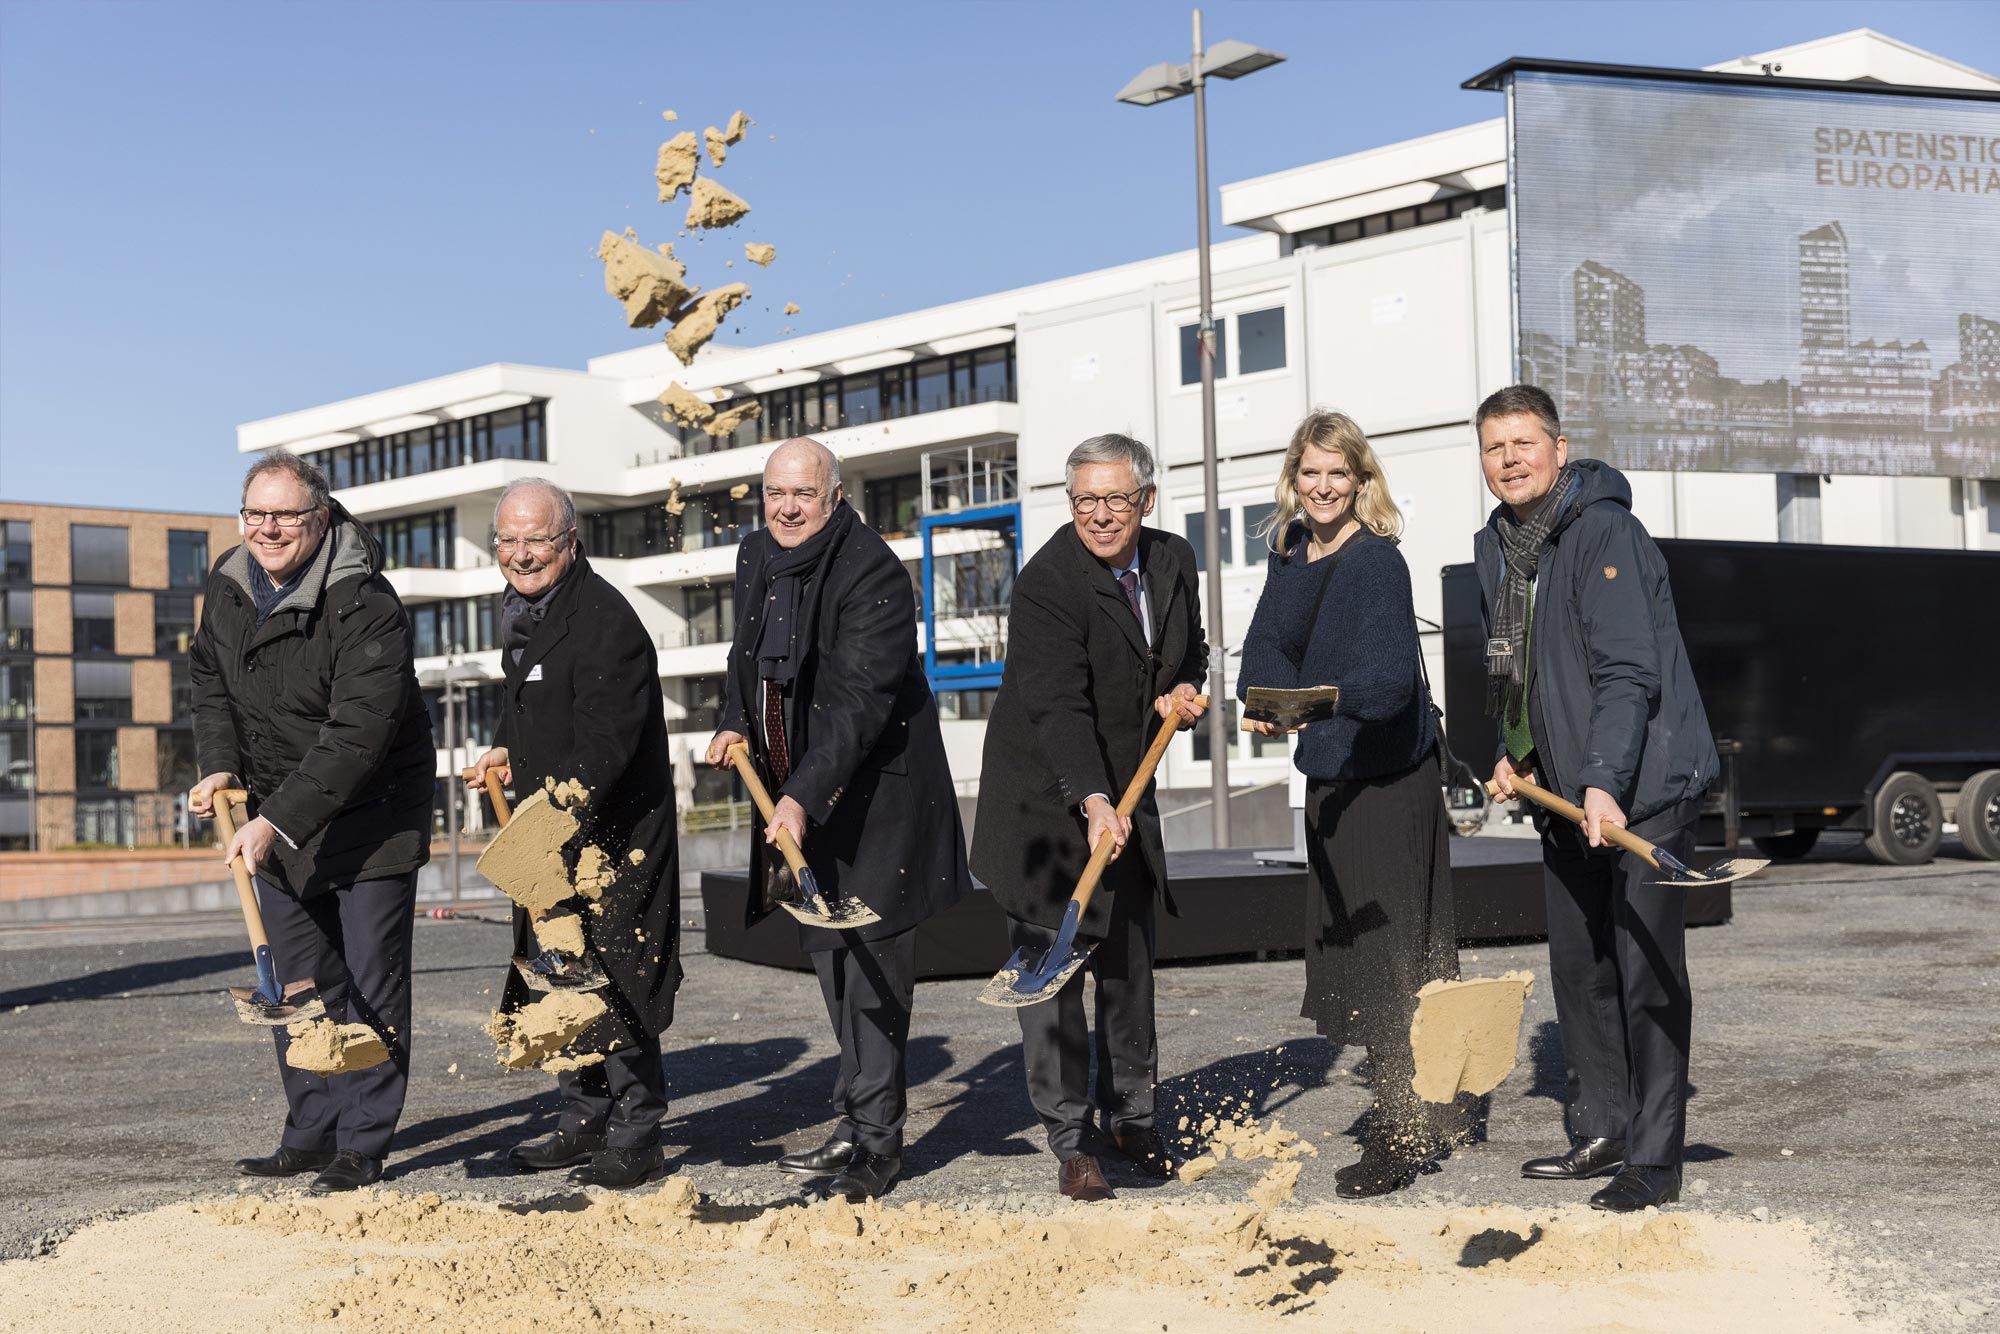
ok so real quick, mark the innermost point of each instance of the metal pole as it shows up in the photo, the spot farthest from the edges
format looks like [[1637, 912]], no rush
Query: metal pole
[[34, 776], [1211, 527], [451, 772]]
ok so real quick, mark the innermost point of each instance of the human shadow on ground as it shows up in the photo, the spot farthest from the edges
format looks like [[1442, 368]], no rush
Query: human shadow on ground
[[984, 1114], [127, 977], [484, 1154]]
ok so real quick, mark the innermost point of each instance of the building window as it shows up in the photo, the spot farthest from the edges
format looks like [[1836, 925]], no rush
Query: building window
[[1191, 351], [627, 534], [893, 504], [17, 690], [1260, 341], [1257, 542], [95, 621], [1201, 751], [17, 762], [103, 690], [177, 772], [1396, 220], [479, 709], [99, 554], [421, 541], [96, 758], [932, 384], [469, 625], [513, 433], [187, 558], [710, 612], [107, 820], [17, 621], [181, 686], [1197, 536], [701, 700], [718, 519], [173, 623], [17, 547], [965, 706]]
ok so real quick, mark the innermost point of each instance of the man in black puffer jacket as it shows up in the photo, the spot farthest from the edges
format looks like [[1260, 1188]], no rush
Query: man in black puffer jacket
[[304, 695], [1596, 701]]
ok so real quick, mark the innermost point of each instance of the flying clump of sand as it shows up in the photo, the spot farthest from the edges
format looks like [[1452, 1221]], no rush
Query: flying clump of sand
[[381, 1262], [323, 1047]]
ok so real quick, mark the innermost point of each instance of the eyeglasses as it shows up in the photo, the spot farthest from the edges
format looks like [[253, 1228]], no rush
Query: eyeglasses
[[283, 518], [1118, 502], [534, 546], [805, 495]]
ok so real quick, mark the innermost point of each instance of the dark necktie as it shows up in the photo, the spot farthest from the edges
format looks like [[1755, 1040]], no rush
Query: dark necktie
[[1129, 581], [774, 733]]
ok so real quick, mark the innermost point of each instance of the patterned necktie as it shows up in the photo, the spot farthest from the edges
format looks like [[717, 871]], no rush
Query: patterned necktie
[[774, 733], [1129, 580]]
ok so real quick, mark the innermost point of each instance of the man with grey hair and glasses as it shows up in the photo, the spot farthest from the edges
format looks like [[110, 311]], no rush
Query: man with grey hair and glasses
[[583, 703], [304, 695], [1104, 641]]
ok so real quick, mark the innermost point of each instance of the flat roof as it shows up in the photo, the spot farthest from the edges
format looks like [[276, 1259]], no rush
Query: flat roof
[[1495, 79]]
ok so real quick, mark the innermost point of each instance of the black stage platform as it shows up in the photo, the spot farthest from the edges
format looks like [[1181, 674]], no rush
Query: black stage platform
[[1231, 904]]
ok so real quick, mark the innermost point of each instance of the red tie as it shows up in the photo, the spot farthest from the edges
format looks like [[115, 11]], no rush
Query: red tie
[[1130, 581], [774, 730]]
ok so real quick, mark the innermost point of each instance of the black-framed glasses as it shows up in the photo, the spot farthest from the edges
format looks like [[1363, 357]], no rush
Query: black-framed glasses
[[1118, 502], [283, 518]]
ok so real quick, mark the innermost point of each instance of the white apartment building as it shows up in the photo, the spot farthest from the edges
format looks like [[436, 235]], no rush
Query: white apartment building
[[1375, 283]]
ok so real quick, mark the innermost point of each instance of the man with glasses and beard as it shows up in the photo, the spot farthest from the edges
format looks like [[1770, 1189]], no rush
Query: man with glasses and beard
[[1104, 641], [583, 704], [827, 688], [304, 695]]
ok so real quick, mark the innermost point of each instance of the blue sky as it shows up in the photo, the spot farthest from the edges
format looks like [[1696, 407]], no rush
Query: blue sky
[[213, 213]]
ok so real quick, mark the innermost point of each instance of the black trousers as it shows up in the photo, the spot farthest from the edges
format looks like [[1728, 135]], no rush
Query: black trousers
[[354, 942], [1618, 969], [623, 1098], [869, 988], [1057, 1044]]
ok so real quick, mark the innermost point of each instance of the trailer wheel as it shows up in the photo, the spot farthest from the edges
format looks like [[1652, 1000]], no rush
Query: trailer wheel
[[1787, 847], [1909, 821], [1979, 814]]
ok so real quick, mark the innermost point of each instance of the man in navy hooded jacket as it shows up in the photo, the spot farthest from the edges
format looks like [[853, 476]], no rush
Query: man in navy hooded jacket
[[1589, 679]]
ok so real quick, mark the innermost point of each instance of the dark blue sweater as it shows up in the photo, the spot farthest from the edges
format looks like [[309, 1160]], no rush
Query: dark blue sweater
[[1365, 642]]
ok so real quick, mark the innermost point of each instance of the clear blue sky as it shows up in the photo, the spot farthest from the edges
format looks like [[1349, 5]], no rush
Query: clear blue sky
[[213, 213]]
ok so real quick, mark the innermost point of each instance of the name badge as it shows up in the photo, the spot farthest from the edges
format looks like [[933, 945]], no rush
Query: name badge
[[534, 674]]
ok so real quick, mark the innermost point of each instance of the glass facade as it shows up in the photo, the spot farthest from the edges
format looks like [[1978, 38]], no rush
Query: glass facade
[[187, 558], [1197, 536], [931, 384], [17, 621], [701, 698], [1191, 351], [1260, 345], [479, 709], [1402, 219], [17, 763], [892, 505], [516, 433], [420, 541], [717, 519], [103, 690], [710, 612], [627, 534], [17, 690], [17, 547], [96, 758], [173, 623], [107, 820], [99, 554], [469, 625], [94, 622], [175, 748]]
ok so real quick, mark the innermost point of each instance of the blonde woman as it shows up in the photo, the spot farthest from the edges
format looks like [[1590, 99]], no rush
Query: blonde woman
[[1336, 610]]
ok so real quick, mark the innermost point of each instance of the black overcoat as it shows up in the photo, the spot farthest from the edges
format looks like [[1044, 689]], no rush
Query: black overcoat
[[868, 760], [1075, 716], [584, 703]]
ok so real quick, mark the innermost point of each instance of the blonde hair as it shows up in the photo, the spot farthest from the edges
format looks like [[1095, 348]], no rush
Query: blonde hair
[[1335, 432]]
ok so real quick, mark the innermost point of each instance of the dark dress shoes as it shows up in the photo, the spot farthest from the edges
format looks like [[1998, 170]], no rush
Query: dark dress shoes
[[1638, 1188], [1588, 1158], [1081, 1179], [286, 1162], [621, 1169], [1385, 1167], [829, 1157], [866, 1176], [348, 1171], [563, 1148], [1145, 1150]]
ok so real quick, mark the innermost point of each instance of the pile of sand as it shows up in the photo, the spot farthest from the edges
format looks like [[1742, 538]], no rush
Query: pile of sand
[[1465, 1034], [381, 1262], [1244, 1136], [325, 1048], [538, 1031]]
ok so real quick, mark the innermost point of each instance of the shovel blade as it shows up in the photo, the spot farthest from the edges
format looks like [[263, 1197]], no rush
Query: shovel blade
[[1732, 868], [255, 1008], [1028, 981], [815, 909], [554, 971]]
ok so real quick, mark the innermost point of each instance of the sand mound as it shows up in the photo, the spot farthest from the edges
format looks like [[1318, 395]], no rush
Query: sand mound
[[377, 1261], [1465, 1034], [326, 1048]]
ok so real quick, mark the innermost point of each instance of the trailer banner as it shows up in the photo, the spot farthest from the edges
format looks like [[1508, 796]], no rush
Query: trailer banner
[[1754, 277]]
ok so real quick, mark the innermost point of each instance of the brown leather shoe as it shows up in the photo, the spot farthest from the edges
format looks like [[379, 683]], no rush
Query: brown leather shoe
[[1082, 1179], [1147, 1151]]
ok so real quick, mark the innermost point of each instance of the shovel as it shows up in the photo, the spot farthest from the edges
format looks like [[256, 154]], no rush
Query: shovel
[[1673, 871], [265, 1005], [1026, 980], [552, 969], [807, 903]]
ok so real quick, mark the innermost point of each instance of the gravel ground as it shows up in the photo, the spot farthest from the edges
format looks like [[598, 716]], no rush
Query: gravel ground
[[1843, 1065]]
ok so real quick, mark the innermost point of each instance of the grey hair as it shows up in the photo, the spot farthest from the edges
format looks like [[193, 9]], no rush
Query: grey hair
[[291, 465], [1110, 449], [1516, 400], [565, 507]]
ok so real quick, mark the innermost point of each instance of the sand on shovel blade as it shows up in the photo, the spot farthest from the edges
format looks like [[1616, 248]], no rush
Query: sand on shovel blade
[[524, 860]]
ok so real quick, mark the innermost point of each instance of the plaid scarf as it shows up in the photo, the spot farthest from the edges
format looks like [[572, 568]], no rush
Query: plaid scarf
[[1521, 543]]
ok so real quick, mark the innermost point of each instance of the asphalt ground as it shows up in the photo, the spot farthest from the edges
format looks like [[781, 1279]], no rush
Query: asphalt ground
[[1844, 1072]]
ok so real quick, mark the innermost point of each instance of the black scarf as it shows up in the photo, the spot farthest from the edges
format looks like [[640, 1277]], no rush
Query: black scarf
[[1521, 544], [519, 614], [789, 616]]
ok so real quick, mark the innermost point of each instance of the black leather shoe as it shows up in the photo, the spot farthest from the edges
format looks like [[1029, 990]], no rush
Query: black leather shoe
[[1638, 1188], [1589, 1158], [286, 1162], [866, 1176], [827, 1159], [621, 1169], [1145, 1150], [1385, 1167], [562, 1148], [348, 1171]]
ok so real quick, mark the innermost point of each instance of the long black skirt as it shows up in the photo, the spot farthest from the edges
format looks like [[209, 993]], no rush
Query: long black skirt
[[1379, 916]]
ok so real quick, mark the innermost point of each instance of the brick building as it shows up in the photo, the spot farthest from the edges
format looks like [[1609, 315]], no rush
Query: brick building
[[97, 609]]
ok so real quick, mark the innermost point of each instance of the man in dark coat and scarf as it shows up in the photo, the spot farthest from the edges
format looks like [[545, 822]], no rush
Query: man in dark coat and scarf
[[827, 688], [583, 704]]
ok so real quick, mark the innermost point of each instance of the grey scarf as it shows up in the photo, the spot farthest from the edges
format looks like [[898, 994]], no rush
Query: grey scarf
[[1521, 544]]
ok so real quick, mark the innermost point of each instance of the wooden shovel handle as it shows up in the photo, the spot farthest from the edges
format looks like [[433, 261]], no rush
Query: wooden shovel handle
[[496, 791], [225, 800], [1100, 856], [1624, 838], [739, 755]]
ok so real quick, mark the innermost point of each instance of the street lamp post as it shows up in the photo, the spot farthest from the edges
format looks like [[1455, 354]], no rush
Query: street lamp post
[[1162, 83]]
